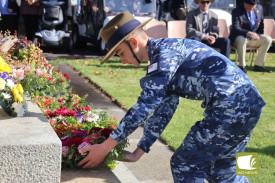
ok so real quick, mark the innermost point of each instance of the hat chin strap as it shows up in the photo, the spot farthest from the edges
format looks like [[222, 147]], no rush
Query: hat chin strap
[[127, 41]]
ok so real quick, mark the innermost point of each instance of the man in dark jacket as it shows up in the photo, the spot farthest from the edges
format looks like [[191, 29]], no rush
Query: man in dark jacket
[[247, 30]]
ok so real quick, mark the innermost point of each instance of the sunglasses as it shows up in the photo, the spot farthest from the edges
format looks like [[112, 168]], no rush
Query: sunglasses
[[203, 2]]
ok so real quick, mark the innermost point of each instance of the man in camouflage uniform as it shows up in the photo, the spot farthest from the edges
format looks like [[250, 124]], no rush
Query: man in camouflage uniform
[[189, 69]]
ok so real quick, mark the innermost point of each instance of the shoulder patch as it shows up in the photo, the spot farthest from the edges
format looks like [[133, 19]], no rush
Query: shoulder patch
[[153, 67]]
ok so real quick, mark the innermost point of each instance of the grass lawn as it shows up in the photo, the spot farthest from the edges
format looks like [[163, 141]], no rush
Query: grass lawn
[[122, 83]]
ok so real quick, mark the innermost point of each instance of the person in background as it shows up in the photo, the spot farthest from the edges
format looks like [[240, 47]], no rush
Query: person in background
[[202, 25], [178, 9], [74, 4], [248, 30], [190, 69], [31, 13], [9, 16]]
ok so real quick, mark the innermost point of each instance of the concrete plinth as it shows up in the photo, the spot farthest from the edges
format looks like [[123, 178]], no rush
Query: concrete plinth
[[29, 148]]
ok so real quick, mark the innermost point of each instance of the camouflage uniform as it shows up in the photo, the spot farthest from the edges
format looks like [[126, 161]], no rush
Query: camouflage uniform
[[190, 69]]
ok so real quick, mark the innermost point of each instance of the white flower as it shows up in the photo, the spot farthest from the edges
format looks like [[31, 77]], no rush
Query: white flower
[[92, 117], [6, 95], [10, 83], [19, 109], [60, 117]]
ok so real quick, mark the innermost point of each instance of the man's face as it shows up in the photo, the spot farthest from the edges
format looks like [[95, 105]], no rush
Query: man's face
[[249, 7], [204, 5], [125, 54]]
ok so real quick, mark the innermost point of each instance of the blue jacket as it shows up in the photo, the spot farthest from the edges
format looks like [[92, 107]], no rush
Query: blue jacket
[[189, 69], [241, 24]]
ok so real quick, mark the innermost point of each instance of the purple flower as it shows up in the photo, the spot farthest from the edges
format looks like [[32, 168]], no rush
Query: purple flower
[[65, 150], [79, 117], [5, 75], [80, 133]]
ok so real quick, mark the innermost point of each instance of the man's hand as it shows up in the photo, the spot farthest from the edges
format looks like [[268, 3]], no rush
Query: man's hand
[[133, 157], [97, 153], [209, 39], [253, 35]]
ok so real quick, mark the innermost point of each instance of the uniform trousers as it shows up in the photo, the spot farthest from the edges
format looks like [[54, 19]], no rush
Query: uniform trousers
[[262, 44], [210, 147]]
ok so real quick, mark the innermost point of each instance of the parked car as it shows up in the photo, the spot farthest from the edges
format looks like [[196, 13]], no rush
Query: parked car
[[94, 14]]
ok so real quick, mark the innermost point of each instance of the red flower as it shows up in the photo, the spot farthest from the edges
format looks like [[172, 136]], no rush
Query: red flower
[[106, 132], [73, 142], [95, 129], [49, 113], [47, 102], [67, 77], [49, 78]]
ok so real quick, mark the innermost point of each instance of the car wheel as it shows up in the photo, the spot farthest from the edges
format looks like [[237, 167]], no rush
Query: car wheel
[[77, 43]]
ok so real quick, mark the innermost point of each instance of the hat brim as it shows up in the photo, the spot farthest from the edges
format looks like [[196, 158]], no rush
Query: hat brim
[[197, 1], [111, 51]]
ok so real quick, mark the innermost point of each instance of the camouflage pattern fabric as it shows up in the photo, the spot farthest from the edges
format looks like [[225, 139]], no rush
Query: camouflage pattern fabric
[[190, 69]]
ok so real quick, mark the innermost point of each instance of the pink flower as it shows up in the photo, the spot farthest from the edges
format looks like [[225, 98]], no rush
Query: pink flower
[[65, 150], [18, 73], [39, 72]]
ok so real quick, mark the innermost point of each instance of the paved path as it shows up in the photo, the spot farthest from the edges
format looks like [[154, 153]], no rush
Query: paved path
[[153, 167]]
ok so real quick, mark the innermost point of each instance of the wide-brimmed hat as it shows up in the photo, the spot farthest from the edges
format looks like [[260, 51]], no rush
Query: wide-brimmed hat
[[197, 1], [251, 2], [117, 29]]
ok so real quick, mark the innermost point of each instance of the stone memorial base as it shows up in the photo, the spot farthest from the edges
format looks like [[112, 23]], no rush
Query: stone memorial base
[[30, 150]]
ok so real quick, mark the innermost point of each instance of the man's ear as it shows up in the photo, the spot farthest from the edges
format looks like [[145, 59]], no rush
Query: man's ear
[[133, 41]]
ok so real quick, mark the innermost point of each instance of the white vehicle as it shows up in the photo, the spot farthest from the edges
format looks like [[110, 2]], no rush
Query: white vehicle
[[95, 14]]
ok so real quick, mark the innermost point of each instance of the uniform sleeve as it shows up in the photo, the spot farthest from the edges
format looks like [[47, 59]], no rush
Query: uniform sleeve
[[155, 125], [153, 99], [151, 96]]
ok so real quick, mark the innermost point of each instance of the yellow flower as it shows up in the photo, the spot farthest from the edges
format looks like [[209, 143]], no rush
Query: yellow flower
[[2, 84], [17, 96], [20, 88], [4, 67], [79, 126]]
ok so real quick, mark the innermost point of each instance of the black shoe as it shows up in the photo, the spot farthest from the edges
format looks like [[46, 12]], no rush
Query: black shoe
[[243, 69], [261, 69]]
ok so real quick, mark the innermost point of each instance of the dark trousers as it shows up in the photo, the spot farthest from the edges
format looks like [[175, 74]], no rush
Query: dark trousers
[[32, 25], [9, 22], [222, 43]]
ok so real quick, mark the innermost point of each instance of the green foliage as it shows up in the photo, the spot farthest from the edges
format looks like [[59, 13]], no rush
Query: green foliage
[[45, 85]]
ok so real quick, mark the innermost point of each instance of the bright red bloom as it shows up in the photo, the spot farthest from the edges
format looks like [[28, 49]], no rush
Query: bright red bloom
[[47, 102], [49, 78], [67, 77], [75, 141]]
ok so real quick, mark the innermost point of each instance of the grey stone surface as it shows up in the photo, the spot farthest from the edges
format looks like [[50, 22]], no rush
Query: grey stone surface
[[30, 149]]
